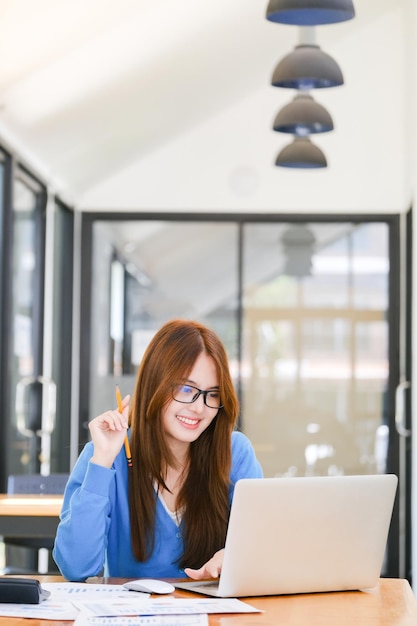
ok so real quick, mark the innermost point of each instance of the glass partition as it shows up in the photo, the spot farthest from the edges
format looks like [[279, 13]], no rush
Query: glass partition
[[145, 273], [301, 307], [315, 347], [307, 309], [25, 376]]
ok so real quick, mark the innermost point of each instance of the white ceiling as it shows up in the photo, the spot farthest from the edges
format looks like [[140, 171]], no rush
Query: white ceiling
[[166, 105]]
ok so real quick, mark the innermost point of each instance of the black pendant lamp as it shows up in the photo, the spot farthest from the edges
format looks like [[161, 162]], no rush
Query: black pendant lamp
[[301, 154], [307, 67], [303, 116], [310, 12]]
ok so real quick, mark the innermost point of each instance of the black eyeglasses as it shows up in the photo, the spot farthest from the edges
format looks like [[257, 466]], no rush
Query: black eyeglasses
[[188, 394]]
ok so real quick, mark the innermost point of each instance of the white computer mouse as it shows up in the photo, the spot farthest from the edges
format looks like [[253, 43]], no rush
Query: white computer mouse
[[149, 585]]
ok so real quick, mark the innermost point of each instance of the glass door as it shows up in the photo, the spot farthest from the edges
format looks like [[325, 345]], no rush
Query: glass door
[[23, 388], [316, 334], [26, 385], [318, 359], [143, 274], [35, 365], [308, 310]]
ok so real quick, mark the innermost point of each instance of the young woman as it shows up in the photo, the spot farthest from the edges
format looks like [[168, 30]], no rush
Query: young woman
[[166, 515]]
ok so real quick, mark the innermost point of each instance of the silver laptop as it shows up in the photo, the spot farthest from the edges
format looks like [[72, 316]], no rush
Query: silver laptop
[[304, 535]]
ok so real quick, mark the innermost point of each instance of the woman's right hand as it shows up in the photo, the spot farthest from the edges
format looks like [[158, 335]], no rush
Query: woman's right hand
[[108, 432], [211, 569]]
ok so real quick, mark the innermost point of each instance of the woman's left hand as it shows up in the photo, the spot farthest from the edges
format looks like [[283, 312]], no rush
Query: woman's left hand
[[211, 569]]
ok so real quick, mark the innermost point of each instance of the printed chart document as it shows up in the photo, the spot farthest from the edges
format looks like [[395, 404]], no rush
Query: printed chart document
[[164, 606], [90, 591], [48, 609], [143, 620], [113, 605], [60, 605]]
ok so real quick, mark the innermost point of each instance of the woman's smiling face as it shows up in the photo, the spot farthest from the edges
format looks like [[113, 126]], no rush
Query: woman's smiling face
[[184, 423]]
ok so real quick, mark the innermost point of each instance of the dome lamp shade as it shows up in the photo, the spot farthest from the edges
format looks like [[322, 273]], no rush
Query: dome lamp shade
[[307, 67], [301, 154], [303, 116], [310, 12]]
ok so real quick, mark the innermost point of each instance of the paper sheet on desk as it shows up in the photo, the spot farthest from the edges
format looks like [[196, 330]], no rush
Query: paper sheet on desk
[[89, 591], [60, 605], [142, 620], [164, 606], [46, 610]]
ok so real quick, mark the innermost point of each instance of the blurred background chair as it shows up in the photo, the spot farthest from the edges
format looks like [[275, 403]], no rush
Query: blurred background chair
[[27, 555]]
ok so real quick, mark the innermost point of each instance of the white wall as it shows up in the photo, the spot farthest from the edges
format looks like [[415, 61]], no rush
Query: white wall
[[226, 163]]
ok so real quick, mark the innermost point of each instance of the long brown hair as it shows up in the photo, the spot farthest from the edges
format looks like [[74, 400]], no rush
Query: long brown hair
[[204, 495]]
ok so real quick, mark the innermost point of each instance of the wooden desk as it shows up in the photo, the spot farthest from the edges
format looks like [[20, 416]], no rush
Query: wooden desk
[[29, 516], [391, 603]]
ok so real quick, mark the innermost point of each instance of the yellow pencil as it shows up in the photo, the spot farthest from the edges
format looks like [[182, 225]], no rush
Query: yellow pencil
[[127, 445]]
